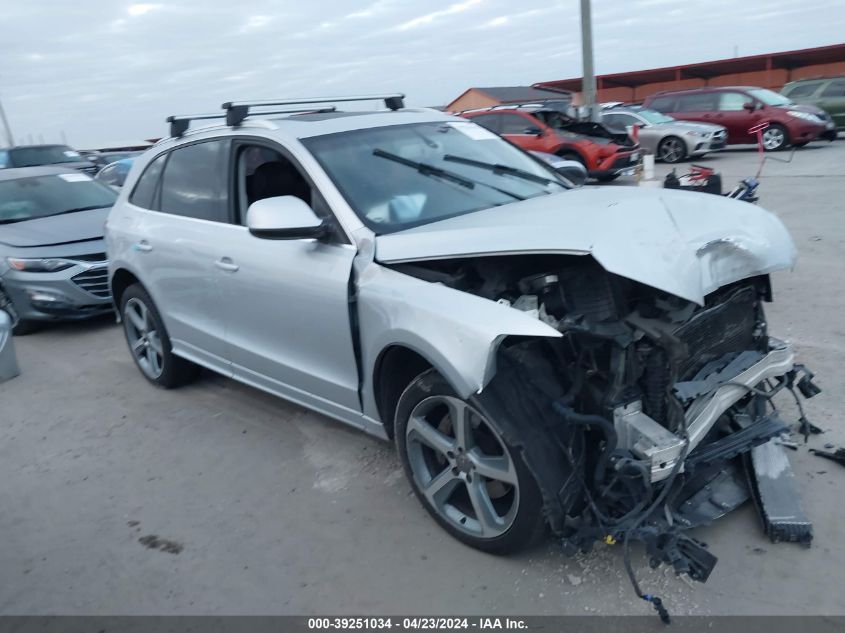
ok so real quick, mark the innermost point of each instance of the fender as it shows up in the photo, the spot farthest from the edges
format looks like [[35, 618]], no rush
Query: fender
[[458, 333]]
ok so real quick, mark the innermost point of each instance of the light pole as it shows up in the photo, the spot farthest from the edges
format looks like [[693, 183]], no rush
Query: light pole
[[9, 137], [588, 85]]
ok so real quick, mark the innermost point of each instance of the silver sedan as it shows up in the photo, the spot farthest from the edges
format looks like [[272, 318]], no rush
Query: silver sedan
[[668, 139]]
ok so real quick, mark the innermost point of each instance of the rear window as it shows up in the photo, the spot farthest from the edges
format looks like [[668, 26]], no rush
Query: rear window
[[42, 196], [46, 155], [490, 121]]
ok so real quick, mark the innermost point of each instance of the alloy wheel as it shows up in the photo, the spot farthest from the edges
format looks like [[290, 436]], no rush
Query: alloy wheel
[[671, 150], [773, 138], [143, 337], [462, 466]]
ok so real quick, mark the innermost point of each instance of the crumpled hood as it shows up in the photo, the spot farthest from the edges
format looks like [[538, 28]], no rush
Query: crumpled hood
[[685, 243], [58, 229]]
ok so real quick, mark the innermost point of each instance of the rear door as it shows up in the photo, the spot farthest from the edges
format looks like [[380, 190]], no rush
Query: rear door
[[832, 99], [696, 106], [287, 301], [180, 238]]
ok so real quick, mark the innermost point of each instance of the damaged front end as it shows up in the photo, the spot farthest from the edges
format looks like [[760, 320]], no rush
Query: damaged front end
[[637, 421]]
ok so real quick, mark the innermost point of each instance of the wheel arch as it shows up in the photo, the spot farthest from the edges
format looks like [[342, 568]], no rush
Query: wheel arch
[[395, 368], [121, 279]]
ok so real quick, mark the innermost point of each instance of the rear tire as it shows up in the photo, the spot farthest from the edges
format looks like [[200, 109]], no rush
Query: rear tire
[[149, 342], [445, 445], [775, 138], [672, 150]]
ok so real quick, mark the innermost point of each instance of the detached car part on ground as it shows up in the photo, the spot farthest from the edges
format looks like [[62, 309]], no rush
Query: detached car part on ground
[[554, 128], [8, 318], [595, 360]]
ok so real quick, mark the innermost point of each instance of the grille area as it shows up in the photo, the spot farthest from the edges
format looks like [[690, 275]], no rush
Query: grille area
[[95, 281], [712, 333]]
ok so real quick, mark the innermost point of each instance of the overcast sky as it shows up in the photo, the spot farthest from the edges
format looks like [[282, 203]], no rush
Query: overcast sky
[[108, 71]]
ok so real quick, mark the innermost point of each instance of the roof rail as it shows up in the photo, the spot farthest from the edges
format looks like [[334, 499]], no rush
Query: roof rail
[[179, 123], [237, 111]]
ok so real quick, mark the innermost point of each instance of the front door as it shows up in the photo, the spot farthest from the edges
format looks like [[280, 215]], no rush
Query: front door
[[287, 301]]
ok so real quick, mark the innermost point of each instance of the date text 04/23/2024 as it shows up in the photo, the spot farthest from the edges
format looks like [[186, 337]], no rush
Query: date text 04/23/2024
[[416, 623]]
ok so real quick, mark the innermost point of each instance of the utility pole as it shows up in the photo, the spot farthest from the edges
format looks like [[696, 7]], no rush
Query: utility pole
[[9, 137], [588, 85]]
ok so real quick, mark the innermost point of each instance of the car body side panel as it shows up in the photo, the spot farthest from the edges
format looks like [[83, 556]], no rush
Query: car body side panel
[[455, 331]]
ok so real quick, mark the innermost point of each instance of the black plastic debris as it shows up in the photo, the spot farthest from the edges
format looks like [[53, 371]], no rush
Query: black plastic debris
[[835, 456], [776, 495]]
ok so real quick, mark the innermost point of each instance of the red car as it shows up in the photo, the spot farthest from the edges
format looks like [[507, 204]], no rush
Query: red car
[[740, 108], [546, 128]]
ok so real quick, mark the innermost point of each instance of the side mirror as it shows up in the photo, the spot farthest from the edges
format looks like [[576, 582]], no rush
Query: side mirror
[[284, 218], [749, 105], [572, 170], [533, 131]]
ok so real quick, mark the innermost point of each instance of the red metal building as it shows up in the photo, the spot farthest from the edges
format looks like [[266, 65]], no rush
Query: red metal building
[[772, 70]]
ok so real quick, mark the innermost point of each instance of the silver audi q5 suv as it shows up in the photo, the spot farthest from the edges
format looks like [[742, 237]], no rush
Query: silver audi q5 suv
[[584, 359]]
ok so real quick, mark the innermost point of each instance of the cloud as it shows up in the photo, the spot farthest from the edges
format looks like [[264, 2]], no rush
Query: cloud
[[137, 10], [435, 15], [146, 59]]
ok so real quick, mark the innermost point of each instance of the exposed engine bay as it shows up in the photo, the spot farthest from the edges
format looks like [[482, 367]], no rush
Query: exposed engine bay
[[640, 421]]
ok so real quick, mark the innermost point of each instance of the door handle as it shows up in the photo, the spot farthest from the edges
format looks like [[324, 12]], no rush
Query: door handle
[[143, 246], [227, 264]]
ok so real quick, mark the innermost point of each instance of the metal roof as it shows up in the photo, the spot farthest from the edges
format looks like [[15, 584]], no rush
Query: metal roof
[[708, 70], [514, 94]]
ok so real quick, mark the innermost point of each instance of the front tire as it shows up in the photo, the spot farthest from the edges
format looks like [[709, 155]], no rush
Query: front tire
[[775, 138], [672, 150], [149, 342], [472, 482]]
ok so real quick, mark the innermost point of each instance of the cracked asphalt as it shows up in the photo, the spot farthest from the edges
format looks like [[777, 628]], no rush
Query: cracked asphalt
[[119, 498]]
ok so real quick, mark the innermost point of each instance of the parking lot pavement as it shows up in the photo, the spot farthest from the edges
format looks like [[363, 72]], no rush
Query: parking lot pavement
[[120, 498]]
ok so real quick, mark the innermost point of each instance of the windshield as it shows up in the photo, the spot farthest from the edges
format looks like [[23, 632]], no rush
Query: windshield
[[653, 116], [769, 98], [40, 196], [406, 175], [44, 155]]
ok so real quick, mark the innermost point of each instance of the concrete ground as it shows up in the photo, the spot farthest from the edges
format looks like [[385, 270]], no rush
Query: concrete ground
[[256, 506]]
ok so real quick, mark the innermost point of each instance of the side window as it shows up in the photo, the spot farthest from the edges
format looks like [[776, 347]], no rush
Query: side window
[[144, 194], [733, 101], [516, 124], [4, 158], [265, 173], [663, 104], [490, 121], [698, 102], [802, 90], [835, 89], [195, 182]]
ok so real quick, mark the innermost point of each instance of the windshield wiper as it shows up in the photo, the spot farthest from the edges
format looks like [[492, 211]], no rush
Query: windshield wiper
[[427, 169], [497, 168]]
